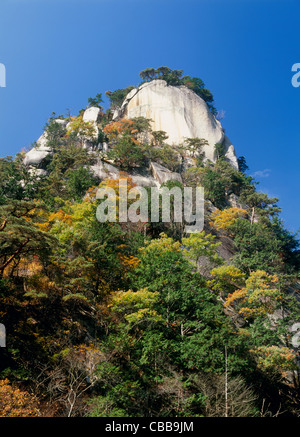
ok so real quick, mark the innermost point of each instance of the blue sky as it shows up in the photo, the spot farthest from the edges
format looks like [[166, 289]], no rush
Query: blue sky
[[58, 53]]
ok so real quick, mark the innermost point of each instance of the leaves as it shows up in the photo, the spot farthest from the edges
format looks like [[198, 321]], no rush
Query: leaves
[[200, 244], [259, 297], [225, 219], [15, 402]]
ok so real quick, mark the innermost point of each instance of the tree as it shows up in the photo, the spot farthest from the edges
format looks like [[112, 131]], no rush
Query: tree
[[117, 97], [173, 78], [17, 403], [159, 137], [19, 235], [226, 279], [199, 245], [260, 203], [288, 245], [214, 187], [191, 313], [243, 167], [67, 156], [220, 151], [198, 86], [72, 376], [78, 182], [81, 130], [16, 181], [260, 295], [135, 308], [257, 247], [239, 402], [127, 153], [224, 220], [148, 74], [95, 101], [116, 129], [163, 71], [55, 133], [275, 359], [194, 145]]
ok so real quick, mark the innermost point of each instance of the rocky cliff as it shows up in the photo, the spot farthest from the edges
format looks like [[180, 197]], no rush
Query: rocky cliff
[[180, 113], [176, 110]]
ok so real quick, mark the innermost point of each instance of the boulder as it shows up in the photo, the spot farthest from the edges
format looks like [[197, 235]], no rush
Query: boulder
[[40, 150], [36, 155], [162, 174], [105, 170], [91, 114], [234, 202], [144, 181], [180, 113]]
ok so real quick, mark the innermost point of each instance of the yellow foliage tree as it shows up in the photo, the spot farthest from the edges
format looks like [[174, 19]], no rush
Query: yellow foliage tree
[[259, 297], [135, 307], [275, 358], [224, 220], [226, 279], [83, 129], [199, 244]]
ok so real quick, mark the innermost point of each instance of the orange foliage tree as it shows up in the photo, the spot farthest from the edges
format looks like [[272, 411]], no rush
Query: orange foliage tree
[[116, 128], [16, 403]]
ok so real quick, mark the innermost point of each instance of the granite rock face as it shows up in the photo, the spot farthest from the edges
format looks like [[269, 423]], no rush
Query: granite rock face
[[180, 113], [176, 110], [36, 155], [162, 174], [91, 114]]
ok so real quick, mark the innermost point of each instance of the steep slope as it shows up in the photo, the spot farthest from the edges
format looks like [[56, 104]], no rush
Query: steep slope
[[180, 113], [176, 110]]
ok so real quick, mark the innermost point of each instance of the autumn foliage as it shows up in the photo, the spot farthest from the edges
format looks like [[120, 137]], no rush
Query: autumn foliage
[[15, 402], [259, 296], [224, 220]]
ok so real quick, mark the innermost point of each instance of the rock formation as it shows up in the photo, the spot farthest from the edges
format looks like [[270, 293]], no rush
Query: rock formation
[[36, 155], [176, 110], [180, 113]]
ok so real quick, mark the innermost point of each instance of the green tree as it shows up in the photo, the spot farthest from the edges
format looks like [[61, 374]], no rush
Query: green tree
[[20, 237], [96, 101], [220, 151], [194, 317], [195, 145], [78, 182], [159, 137], [257, 248], [16, 181], [260, 203], [127, 153], [243, 167], [148, 74], [117, 97]]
